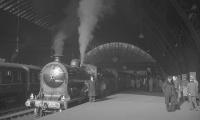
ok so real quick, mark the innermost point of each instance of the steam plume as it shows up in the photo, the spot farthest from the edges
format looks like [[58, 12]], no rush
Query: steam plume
[[89, 12], [66, 28], [59, 43]]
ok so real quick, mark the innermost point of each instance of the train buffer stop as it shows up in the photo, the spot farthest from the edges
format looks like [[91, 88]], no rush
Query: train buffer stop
[[126, 106]]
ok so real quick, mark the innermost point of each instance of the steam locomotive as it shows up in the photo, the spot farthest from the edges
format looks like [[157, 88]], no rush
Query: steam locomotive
[[61, 84]]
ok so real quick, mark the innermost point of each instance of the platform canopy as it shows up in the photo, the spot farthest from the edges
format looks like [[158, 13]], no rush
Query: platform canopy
[[168, 30], [118, 55]]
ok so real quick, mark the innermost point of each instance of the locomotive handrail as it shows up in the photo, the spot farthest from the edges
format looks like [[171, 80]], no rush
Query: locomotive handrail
[[47, 95]]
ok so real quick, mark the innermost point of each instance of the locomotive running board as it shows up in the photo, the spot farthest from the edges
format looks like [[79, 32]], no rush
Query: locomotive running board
[[76, 99]]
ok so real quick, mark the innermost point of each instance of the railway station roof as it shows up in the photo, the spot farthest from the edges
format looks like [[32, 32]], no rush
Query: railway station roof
[[118, 55], [166, 30]]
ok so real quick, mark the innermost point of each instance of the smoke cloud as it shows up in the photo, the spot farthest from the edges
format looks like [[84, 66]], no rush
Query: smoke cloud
[[59, 43], [89, 13], [66, 28]]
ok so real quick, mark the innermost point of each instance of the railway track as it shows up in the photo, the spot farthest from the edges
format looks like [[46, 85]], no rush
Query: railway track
[[12, 110], [16, 114]]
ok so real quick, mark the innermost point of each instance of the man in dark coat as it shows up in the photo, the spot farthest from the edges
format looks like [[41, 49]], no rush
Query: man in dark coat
[[193, 93], [170, 94], [92, 91], [177, 89]]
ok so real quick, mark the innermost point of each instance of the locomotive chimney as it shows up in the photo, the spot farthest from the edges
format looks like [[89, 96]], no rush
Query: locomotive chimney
[[57, 57]]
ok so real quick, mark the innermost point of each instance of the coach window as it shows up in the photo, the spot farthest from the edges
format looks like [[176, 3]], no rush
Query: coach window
[[15, 77], [0, 77], [32, 79], [23, 77], [7, 76], [37, 77]]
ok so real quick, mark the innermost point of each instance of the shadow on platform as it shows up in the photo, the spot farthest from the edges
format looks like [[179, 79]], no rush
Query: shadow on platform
[[140, 92], [104, 99]]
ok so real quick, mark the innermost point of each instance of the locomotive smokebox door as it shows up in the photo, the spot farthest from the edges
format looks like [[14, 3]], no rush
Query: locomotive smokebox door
[[54, 79], [54, 76]]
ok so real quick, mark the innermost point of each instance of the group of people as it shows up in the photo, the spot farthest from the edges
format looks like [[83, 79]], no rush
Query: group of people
[[174, 93], [142, 82]]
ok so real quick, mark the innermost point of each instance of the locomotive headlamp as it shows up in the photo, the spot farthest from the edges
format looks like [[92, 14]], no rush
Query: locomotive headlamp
[[92, 78], [30, 102], [62, 98], [174, 77], [31, 96]]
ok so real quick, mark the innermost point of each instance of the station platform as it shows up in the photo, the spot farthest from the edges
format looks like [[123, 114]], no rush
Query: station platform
[[127, 105]]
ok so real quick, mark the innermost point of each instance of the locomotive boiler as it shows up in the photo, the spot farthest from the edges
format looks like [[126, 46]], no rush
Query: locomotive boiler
[[61, 84]]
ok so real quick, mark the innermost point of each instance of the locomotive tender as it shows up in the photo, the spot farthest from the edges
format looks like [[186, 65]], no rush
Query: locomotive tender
[[60, 84]]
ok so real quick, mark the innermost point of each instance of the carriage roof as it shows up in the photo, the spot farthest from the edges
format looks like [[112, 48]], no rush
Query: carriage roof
[[18, 65]]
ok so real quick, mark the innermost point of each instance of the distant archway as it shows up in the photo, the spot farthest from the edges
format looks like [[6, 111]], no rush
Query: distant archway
[[118, 54]]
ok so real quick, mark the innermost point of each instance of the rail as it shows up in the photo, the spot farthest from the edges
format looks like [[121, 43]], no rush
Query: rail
[[17, 114]]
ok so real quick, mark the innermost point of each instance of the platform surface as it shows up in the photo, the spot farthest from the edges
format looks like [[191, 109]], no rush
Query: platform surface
[[126, 106]]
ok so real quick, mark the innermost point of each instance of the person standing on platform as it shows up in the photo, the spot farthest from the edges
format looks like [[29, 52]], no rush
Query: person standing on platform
[[103, 89], [133, 83], [185, 90], [169, 92], [192, 94], [198, 97], [160, 84], [150, 79], [151, 84], [92, 91], [138, 83], [177, 91], [145, 83]]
